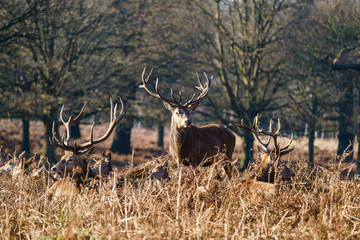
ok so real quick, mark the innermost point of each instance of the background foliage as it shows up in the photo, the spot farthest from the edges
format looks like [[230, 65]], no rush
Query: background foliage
[[297, 60]]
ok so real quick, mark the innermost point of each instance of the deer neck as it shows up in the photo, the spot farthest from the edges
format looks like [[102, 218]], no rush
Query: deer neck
[[179, 138]]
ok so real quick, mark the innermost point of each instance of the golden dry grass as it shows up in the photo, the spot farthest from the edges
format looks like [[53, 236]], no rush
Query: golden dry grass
[[194, 203]]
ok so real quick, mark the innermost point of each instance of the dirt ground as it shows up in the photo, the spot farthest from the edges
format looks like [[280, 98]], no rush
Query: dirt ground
[[144, 143]]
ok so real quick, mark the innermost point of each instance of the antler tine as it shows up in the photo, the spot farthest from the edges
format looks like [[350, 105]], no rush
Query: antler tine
[[111, 110], [66, 124], [143, 75], [60, 143], [123, 110], [180, 97], [145, 82], [88, 146], [271, 126], [79, 116], [286, 149], [201, 86], [157, 94], [274, 133], [256, 122], [114, 120], [70, 122], [177, 102], [278, 127], [204, 88], [255, 131]]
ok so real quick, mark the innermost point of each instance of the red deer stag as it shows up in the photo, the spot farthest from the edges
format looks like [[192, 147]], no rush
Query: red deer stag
[[75, 161], [267, 170], [190, 144]]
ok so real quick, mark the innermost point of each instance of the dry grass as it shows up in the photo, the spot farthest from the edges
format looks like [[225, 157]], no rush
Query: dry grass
[[193, 203]]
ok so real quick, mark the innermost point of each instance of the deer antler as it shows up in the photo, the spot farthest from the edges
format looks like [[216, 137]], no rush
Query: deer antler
[[64, 143], [274, 133], [204, 88]]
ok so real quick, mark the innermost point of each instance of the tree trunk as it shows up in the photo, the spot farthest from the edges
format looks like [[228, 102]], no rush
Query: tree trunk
[[248, 150], [357, 123], [25, 142], [75, 131], [345, 143], [311, 131], [160, 140], [311, 146], [346, 132], [121, 143], [49, 148], [358, 139]]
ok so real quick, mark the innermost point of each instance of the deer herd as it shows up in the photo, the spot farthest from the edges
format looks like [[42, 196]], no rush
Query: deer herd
[[189, 145]]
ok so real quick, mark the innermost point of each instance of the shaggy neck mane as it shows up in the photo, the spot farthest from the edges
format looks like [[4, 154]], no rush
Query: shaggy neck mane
[[178, 137]]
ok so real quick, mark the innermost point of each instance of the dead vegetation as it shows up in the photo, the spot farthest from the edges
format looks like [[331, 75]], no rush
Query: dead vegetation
[[189, 203], [159, 199]]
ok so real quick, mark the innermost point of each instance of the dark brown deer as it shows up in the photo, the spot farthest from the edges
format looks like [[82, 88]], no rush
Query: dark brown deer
[[101, 167], [76, 161], [189, 144], [270, 167]]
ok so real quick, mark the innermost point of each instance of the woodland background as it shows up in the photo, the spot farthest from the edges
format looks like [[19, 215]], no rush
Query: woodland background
[[297, 60]]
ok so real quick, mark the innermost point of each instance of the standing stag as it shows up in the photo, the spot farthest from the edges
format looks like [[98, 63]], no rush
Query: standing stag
[[75, 161], [270, 163], [190, 144]]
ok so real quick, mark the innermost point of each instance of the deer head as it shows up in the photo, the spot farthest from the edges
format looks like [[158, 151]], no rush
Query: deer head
[[102, 167], [75, 161], [160, 172], [15, 166], [180, 112], [270, 157]]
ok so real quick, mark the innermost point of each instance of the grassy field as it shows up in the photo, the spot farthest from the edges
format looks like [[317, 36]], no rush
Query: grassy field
[[196, 203]]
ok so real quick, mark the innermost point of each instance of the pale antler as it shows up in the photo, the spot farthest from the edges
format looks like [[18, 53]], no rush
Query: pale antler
[[204, 88], [274, 133], [64, 143], [70, 122]]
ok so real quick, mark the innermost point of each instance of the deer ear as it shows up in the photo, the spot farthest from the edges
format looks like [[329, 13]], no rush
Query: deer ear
[[192, 107], [169, 106]]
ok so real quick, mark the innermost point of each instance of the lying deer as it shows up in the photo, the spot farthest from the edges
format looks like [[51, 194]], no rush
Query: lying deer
[[267, 170], [189, 144], [15, 165], [76, 162], [270, 169]]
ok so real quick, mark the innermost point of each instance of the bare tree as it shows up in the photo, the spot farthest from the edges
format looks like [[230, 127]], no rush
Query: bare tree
[[64, 56], [244, 52]]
